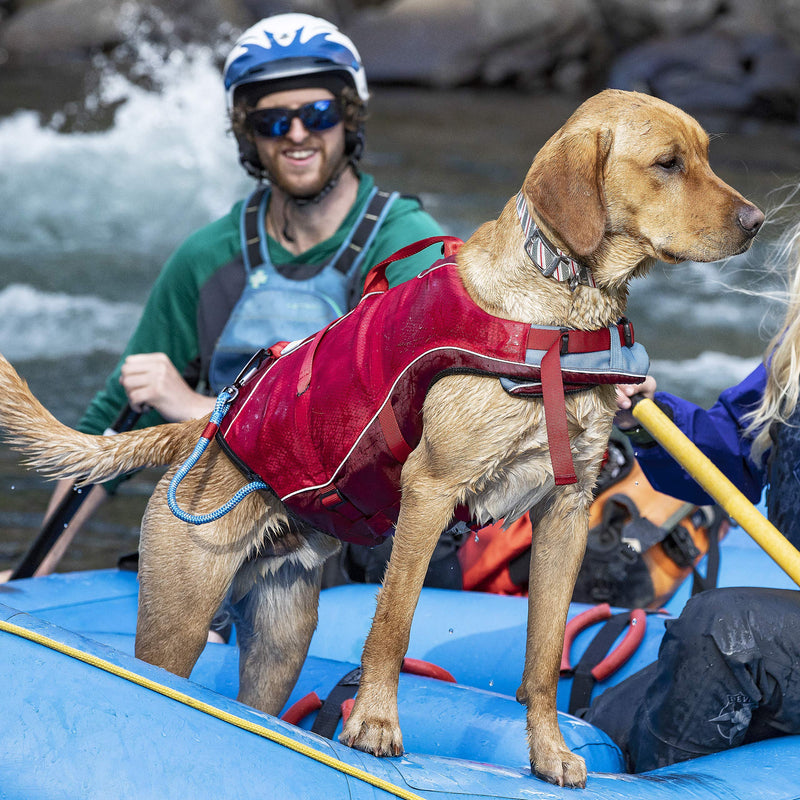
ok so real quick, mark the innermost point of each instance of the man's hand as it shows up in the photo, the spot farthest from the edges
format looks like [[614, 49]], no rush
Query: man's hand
[[624, 419], [151, 380]]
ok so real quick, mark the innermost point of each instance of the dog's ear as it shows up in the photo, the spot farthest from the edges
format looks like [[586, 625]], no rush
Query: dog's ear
[[565, 187]]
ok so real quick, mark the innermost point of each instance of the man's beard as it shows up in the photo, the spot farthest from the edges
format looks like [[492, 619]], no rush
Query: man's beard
[[327, 179]]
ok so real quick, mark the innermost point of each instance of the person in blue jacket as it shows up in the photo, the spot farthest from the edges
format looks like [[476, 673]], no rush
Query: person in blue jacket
[[751, 433], [723, 432], [725, 673]]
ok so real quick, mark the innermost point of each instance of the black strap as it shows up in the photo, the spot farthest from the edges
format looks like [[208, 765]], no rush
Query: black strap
[[622, 517], [583, 681], [363, 231], [252, 238], [701, 583], [331, 711]]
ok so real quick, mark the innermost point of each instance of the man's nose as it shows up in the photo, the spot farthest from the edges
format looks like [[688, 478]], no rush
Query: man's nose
[[297, 131]]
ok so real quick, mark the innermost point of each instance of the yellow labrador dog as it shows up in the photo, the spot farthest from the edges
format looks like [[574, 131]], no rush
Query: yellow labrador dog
[[624, 182]]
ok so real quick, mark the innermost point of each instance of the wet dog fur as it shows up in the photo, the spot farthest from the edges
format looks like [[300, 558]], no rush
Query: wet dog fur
[[624, 182]]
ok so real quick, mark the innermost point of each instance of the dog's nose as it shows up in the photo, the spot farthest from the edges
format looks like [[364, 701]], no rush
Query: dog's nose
[[750, 219]]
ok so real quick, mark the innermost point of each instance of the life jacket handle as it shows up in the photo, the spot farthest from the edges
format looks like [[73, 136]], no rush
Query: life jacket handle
[[376, 278]]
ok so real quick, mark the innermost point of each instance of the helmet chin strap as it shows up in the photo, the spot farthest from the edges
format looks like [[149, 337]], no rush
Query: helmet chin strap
[[302, 201]]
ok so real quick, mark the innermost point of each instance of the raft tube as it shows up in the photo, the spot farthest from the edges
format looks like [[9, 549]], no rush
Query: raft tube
[[74, 729]]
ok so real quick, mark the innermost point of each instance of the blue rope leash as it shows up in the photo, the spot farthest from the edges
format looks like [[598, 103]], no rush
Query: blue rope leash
[[220, 409]]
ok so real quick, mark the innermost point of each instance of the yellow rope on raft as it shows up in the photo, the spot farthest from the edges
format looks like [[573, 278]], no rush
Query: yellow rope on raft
[[701, 468], [206, 708]]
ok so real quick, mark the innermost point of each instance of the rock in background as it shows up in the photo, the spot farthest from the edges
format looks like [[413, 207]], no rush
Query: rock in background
[[730, 57]]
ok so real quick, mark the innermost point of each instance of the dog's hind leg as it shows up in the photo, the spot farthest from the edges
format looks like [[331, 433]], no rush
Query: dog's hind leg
[[559, 539], [276, 618], [186, 570], [178, 597]]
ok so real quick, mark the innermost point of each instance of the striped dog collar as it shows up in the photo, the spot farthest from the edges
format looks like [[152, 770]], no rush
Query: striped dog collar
[[552, 262]]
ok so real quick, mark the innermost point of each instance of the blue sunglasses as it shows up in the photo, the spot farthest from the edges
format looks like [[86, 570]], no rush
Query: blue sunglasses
[[274, 122]]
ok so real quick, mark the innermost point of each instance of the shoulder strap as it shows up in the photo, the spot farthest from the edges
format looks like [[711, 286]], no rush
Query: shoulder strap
[[375, 209], [372, 216], [251, 238]]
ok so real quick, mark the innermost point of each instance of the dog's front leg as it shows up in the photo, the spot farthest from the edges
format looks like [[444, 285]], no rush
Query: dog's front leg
[[558, 544], [426, 508]]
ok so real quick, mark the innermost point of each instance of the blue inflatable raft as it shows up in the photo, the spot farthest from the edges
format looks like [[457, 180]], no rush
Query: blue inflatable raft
[[82, 718]]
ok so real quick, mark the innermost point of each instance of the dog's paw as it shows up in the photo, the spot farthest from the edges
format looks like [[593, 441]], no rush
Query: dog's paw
[[562, 768], [379, 737]]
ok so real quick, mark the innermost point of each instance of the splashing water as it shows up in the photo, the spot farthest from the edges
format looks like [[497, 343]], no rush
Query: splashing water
[[89, 217], [167, 163]]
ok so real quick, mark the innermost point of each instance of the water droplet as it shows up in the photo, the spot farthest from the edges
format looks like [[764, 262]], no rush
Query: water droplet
[[477, 538], [13, 487], [491, 682], [450, 631], [636, 483]]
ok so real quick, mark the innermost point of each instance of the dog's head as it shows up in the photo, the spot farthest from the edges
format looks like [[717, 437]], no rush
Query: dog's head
[[626, 180]]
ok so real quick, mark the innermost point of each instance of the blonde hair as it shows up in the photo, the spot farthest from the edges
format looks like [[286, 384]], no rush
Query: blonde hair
[[781, 359]]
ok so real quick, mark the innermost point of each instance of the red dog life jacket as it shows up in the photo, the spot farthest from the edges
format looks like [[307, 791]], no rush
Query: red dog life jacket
[[328, 424]]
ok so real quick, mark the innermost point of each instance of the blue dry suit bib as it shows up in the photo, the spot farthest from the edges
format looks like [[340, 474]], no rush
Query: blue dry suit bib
[[273, 307]]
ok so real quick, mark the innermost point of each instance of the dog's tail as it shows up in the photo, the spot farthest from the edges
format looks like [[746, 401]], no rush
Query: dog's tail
[[61, 452]]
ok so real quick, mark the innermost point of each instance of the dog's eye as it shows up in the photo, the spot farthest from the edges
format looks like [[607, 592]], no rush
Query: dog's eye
[[669, 163]]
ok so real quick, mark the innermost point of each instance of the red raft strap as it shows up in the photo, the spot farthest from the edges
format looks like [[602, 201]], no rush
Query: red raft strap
[[347, 707], [376, 278], [577, 624], [597, 663], [302, 708], [627, 647], [415, 666], [339, 702]]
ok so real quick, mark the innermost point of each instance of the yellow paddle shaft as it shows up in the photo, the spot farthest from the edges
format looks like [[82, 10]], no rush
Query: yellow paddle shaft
[[681, 448]]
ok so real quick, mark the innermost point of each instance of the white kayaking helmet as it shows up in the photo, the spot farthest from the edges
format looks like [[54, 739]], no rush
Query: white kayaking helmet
[[291, 51]]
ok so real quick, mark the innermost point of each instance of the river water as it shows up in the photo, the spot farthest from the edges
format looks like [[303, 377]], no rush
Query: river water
[[92, 209]]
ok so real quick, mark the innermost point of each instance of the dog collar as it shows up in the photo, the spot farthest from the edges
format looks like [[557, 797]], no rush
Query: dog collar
[[552, 262]]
